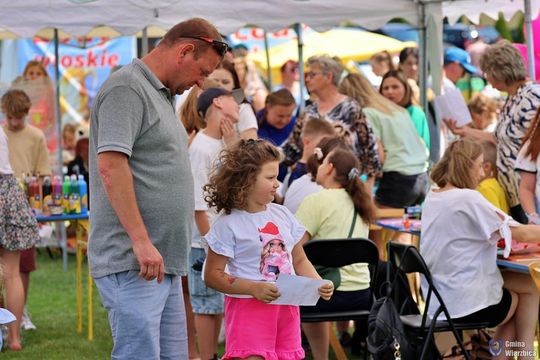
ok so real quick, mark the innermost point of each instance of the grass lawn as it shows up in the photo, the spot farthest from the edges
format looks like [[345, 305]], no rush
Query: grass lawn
[[53, 309], [51, 304]]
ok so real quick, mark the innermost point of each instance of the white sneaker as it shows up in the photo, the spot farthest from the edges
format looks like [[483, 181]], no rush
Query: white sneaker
[[26, 322]]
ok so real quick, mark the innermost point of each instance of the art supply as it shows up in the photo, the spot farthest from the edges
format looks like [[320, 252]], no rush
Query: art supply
[[47, 195], [74, 198], [83, 193], [66, 192]]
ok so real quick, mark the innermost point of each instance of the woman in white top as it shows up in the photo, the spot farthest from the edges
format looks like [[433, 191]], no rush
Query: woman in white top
[[460, 230], [18, 231]]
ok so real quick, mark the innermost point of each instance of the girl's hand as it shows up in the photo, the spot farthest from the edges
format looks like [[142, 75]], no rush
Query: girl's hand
[[326, 290], [265, 291]]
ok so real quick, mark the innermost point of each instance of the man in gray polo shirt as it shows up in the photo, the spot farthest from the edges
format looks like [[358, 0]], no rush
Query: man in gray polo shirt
[[142, 192]]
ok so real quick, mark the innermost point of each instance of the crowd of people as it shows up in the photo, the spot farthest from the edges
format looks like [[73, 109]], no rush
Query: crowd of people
[[195, 213]]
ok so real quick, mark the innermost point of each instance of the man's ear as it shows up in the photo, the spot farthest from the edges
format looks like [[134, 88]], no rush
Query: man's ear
[[184, 49]]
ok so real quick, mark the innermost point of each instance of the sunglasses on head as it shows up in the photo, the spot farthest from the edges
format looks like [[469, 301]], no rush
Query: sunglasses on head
[[219, 46]]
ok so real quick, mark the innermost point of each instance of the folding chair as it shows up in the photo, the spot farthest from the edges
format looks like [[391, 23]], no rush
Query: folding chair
[[337, 253], [407, 259]]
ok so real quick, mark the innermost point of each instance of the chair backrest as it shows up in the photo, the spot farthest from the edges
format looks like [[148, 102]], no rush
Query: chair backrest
[[341, 252], [408, 259]]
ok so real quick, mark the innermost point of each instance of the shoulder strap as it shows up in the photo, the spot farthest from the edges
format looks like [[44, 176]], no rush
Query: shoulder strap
[[352, 224]]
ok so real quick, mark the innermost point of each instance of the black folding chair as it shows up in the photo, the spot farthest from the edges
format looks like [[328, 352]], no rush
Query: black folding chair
[[407, 259], [337, 253]]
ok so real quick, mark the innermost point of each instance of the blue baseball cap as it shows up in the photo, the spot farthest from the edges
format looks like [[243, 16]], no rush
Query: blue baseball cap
[[455, 54]]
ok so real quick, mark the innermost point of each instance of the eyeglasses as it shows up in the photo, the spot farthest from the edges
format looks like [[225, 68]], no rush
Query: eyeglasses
[[311, 74], [219, 46]]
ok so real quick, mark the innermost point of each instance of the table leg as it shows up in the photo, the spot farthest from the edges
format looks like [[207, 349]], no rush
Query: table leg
[[61, 233], [90, 307], [79, 289]]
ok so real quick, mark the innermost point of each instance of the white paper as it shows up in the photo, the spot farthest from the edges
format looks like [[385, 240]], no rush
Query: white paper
[[451, 105], [298, 290]]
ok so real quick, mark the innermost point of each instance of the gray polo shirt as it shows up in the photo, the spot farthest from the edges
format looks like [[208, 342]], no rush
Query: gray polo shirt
[[134, 114]]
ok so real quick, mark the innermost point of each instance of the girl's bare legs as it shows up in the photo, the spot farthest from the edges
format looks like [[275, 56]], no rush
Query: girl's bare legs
[[14, 294]]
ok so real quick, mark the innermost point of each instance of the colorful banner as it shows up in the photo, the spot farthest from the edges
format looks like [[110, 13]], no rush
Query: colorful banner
[[84, 65]]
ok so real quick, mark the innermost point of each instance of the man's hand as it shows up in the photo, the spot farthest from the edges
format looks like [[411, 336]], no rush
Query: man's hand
[[265, 291], [150, 261]]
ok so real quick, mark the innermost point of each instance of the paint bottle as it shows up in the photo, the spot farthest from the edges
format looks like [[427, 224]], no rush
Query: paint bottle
[[66, 192], [83, 193], [47, 195], [74, 198], [35, 198]]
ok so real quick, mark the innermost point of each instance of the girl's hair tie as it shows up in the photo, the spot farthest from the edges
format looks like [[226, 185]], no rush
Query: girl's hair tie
[[354, 173], [318, 153]]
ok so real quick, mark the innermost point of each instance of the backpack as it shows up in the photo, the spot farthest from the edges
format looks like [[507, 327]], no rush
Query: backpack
[[387, 339]]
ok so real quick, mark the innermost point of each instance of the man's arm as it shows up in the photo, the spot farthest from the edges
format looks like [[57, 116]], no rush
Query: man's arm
[[117, 181]]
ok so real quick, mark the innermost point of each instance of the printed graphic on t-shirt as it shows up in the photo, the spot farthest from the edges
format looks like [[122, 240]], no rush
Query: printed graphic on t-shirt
[[274, 256]]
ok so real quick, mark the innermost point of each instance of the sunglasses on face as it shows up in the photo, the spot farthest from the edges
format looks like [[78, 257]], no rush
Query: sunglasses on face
[[219, 46]]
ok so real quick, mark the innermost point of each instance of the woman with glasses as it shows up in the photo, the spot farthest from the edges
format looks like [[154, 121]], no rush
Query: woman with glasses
[[322, 77]]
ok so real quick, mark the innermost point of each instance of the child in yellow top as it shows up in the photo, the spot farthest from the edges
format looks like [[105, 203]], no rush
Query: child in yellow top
[[489, 187]]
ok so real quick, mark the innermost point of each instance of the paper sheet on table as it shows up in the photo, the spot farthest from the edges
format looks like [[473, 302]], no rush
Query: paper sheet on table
[[298, 290], [451, 105]]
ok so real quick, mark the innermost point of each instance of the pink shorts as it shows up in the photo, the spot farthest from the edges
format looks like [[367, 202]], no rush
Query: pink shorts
[[254, 328]]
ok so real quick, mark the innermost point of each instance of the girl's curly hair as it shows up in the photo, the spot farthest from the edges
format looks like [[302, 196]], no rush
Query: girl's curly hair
[[235, 173]]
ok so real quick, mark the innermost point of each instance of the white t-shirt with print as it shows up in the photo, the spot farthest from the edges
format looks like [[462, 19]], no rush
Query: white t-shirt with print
[[203, 152], [460, 230], [259, 245], [525, 163]]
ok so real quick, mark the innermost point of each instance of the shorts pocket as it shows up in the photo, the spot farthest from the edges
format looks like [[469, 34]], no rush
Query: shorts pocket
[[197, 286]]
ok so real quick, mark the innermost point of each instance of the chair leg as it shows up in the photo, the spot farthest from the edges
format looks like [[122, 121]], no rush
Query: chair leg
[[336, 345], [459, 339]]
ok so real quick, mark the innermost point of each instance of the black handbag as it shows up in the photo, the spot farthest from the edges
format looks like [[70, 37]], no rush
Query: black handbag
[[331, 273]]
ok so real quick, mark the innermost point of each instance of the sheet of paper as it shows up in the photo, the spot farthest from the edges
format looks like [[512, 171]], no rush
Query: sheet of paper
[[297, 290], [451, 105]]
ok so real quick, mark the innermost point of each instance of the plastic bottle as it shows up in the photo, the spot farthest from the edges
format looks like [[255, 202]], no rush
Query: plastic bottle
[[57, 190], [74, 198], [35, 198], [66, 192], [83, 193], [47, 195]]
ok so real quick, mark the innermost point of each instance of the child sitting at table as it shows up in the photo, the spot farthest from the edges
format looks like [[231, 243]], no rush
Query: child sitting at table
[[344, 208], [489, 187], [460, 231], [313, 131], [528, 164]]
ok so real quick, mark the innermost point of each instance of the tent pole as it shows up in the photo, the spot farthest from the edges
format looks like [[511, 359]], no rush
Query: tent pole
[[58, 112], [60, 227], [530, 40], [298, 29], [144, 42], [423, 57], [268, 68]]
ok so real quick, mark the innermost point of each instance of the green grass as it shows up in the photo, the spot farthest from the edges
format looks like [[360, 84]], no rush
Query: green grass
[[52, 306]]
